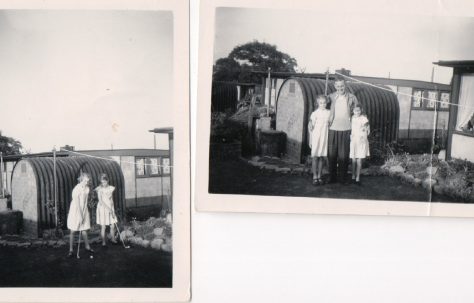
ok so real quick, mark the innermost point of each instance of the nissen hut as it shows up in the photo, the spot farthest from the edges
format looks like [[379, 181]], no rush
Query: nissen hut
[[296, 101], [34, 192]]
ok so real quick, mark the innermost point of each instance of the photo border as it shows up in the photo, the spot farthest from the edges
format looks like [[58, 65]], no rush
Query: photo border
[[205, 201]]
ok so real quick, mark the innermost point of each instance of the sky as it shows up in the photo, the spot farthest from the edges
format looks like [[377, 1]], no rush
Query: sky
[[378, 45], [90, 79]]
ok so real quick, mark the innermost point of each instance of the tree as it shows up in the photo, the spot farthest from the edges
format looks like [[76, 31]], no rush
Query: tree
[[9, 146], [249, 57]]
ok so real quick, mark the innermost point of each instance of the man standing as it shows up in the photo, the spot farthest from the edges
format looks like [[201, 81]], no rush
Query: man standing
[[342, 103]]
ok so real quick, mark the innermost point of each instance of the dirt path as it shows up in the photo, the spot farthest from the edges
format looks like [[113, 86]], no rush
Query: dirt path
[[113, 266], [238, 177]]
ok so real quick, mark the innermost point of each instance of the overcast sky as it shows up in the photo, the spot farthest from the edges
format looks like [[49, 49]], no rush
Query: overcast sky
[[85, 78], [369, 45]]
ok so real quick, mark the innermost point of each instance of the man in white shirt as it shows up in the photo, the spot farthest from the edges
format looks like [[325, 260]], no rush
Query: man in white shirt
[[342, 103]]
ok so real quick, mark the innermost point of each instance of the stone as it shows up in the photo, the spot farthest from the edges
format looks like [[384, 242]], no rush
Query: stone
[[23, 244], [37, 243], [158, 231], [432, 170], [51, 242], [442, 155], [397, 169], [167, 247], [255, 158], [60, 243], [3, 242], [283, 169], [364, 172], [145, 243], [156, 244], [428, 183]]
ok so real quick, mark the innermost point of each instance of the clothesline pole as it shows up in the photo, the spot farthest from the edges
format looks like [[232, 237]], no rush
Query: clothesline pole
[[326, 84], [55, 188]]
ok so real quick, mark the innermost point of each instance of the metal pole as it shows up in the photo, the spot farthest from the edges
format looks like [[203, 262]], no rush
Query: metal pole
[[1, 174], [55, 188], [269, 92], [326, 85]]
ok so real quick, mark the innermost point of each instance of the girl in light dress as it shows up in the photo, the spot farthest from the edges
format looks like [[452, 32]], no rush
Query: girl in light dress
[[78, 218], [105, 214], [359, 148], [318, 127]]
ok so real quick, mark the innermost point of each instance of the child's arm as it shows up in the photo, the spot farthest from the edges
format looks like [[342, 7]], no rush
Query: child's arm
[[367, 127]]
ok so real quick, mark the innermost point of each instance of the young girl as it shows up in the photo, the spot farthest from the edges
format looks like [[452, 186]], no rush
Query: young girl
[[105, 208], [318, 127], [78, 217], [359, 147]]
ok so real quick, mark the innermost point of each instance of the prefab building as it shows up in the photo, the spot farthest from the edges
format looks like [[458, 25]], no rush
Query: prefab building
[[37, 188], [296, 101], [461, 115], [147, 175]]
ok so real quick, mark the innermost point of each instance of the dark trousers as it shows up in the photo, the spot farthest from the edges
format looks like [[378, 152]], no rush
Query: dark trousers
[[338, 154]]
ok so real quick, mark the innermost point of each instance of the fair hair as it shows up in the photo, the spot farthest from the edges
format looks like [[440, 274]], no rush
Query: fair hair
[[83, 175]]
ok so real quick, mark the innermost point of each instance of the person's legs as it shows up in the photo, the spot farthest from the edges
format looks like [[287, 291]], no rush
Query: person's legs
[[102, 234], [86, 240], [71, 240], [359, 165], [343, 154], [332, 155], [314, 165], [320, 167], [354, 161], [112, 233]]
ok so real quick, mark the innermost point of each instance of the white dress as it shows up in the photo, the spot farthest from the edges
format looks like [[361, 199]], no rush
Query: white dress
[[105, 214], [78, 218], [319, 136], [359, 147]]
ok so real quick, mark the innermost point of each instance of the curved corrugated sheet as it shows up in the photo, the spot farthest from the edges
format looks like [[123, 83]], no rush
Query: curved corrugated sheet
[[224, 97], [381, 106], [68, 170]]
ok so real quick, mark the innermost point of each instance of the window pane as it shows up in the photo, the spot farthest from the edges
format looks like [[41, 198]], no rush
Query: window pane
[[166, 165], [465, 119], [432, 98], [444, 100], [417, 102], [140, 167], [153, 166]]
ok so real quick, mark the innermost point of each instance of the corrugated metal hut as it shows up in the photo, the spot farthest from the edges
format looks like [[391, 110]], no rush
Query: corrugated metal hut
[[33, 188], [296, 101]]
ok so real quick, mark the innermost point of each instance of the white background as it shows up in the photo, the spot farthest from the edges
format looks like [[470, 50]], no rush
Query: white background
[[322, 258]]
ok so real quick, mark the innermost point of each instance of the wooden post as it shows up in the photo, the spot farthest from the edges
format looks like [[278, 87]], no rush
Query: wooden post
[[269, 92]]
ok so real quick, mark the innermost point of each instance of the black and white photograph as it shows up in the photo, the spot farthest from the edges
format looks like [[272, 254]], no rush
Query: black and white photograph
[[87, 150], [340, 105]]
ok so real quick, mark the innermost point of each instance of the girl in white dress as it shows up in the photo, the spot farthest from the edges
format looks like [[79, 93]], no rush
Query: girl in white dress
[[78, 218], [359, 148], [105, 213], [318, 127]]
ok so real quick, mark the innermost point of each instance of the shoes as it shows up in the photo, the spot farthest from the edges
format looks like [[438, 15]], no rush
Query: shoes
[[70, 254], [358, 183], [316, 182]]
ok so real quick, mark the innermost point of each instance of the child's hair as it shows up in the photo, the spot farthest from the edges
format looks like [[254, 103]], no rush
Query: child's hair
[[362, 112], [82, 175], [321, 97], [104, 177]]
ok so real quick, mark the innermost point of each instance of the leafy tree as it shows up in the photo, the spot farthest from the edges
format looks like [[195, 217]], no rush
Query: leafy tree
[[253, 56], [9, 146]]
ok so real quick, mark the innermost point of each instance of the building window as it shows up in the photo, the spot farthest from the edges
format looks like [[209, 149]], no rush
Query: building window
[[465, 117], [152, 166], [166, 166], [417, 102], [430, 100]]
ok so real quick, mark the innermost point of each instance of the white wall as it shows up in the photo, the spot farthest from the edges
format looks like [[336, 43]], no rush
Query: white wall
[[462, 147]]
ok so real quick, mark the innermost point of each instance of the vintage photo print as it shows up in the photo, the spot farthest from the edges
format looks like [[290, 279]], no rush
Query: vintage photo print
[[94, 157], [332, 109]]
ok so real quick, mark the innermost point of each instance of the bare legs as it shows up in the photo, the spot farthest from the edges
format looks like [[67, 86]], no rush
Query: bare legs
[[84, 236], [356, 167], [317, 165], [112, 233]]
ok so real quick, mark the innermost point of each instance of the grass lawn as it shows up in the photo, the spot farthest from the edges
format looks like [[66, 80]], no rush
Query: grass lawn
[[238, 177], [113, 266]]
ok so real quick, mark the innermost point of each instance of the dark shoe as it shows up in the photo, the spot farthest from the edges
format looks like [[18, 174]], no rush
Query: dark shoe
[[321, 182], [70, 254], [315, 182], [358, 183]]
